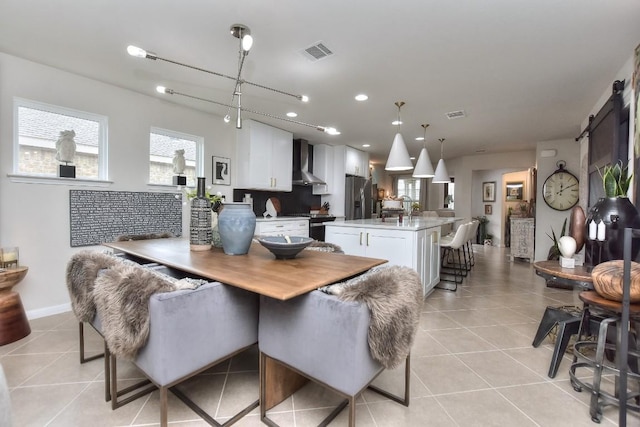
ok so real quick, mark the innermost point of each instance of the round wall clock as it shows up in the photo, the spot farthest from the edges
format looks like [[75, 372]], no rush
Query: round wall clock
[[560, 190]]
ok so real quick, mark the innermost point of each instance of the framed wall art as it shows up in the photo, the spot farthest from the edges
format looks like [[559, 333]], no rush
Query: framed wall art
[[221, 171], [488, 209], [514, 191], [489, 191]]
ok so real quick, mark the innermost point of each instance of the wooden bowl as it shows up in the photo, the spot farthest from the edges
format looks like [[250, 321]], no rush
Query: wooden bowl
[[607, 280]]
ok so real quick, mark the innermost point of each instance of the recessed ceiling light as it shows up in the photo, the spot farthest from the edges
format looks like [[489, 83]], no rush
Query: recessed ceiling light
[[412, 158], [420, 138], [366, 145], [396, 122], [361, 97], [292, 114]]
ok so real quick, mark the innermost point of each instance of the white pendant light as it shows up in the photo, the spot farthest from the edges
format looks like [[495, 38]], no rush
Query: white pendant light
[[424, 168], [442, 175], [398, 159]]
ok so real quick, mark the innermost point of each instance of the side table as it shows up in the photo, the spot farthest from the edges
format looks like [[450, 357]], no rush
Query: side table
[[13, 319]]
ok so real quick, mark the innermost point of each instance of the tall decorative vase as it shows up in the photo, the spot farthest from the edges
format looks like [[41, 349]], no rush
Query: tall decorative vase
[[200, 230], [617, 213], [236, 224]]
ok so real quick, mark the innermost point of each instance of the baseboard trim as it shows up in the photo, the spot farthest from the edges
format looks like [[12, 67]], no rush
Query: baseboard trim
[[48, 311]]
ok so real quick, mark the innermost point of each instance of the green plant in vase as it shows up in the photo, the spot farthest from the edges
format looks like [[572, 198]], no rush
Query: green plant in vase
[[616, 179], [616, 212]]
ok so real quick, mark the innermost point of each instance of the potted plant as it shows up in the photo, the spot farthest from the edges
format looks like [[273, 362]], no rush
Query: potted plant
[[615, 180], [554, 250], [615, 210]]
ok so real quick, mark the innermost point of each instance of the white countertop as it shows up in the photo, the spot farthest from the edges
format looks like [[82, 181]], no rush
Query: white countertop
[[281, 218], [415, 224]]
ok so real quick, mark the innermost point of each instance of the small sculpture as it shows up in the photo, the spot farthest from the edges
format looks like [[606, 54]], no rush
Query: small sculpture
[[179, 162], [66, 146], [567, 246]]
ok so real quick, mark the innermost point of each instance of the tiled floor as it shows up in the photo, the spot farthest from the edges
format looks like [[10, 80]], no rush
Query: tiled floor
[[472, 365]]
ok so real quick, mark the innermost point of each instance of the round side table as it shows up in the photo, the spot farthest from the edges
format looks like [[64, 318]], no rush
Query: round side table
[[13, 319]]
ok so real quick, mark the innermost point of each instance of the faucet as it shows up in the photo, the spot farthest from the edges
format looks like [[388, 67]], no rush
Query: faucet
[[410, 210]]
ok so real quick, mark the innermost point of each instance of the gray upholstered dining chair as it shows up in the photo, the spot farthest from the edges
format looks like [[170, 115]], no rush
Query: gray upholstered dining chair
[[338, 343], [189, 330]]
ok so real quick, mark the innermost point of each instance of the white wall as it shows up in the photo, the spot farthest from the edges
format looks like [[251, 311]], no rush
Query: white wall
[[35, 217], [547, 218], [462, 169], [477, 205]]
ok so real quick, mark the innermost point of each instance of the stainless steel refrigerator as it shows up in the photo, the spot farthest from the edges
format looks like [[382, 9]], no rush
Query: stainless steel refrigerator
[[358, 202]]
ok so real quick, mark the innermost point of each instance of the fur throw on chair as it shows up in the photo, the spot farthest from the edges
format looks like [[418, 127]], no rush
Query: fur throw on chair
[[394, 296], [82, 271], [122, 297], [119, 289]]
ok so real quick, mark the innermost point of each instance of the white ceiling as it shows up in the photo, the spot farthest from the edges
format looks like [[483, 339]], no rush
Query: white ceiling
[[523, 71]]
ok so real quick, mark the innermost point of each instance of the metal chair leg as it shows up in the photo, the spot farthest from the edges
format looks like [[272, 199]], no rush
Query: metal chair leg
[[84, 359]]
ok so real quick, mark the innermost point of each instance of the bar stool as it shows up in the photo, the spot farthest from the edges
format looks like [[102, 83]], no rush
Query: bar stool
[[473, 229], [450, 247], [584, 357]]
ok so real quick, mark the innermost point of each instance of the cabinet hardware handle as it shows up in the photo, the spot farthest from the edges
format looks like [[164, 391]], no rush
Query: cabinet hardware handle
[[367, 239], [361, 238]]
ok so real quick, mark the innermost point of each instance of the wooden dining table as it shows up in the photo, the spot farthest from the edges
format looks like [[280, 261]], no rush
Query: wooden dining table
[[260, 272]]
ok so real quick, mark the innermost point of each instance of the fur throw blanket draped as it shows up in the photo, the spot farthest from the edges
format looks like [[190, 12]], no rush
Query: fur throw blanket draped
[[122, 297], [119, 290], [82, 272], [394, 296]]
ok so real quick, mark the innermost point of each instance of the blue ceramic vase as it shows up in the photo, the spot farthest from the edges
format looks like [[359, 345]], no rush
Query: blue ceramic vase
[[236, 224]]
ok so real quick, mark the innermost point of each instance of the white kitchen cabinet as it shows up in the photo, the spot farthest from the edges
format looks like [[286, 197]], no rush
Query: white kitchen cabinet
[[293, 227], [263, 157], [432, 257], [323, 164], [356, 162], [417, 249]]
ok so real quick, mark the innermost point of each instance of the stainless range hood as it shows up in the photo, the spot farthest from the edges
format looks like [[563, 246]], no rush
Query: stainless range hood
[[301, 174]]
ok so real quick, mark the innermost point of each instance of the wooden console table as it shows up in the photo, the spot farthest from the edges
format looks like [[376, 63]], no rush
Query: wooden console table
[[13, 319]]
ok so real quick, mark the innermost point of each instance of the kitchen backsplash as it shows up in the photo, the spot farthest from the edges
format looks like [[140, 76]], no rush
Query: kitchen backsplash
[[300, 200]]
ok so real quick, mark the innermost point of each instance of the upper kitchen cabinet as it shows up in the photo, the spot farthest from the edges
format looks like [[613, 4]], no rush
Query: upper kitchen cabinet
[[323, 168], [356, 162], [263, 157]]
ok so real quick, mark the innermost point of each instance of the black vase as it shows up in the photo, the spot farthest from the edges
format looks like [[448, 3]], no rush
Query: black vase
[[200, 229], [617, 213]]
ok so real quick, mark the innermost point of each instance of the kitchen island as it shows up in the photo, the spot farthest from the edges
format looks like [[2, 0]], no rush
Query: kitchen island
[[413, 242]]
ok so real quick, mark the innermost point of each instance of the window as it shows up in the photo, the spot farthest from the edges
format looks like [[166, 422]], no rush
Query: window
[[449, 189], [409, 187], [38, 127], [162, 146]]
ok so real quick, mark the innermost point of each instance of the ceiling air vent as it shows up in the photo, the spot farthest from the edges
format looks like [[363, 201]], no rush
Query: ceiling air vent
[[455, 114], [317, 51]]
